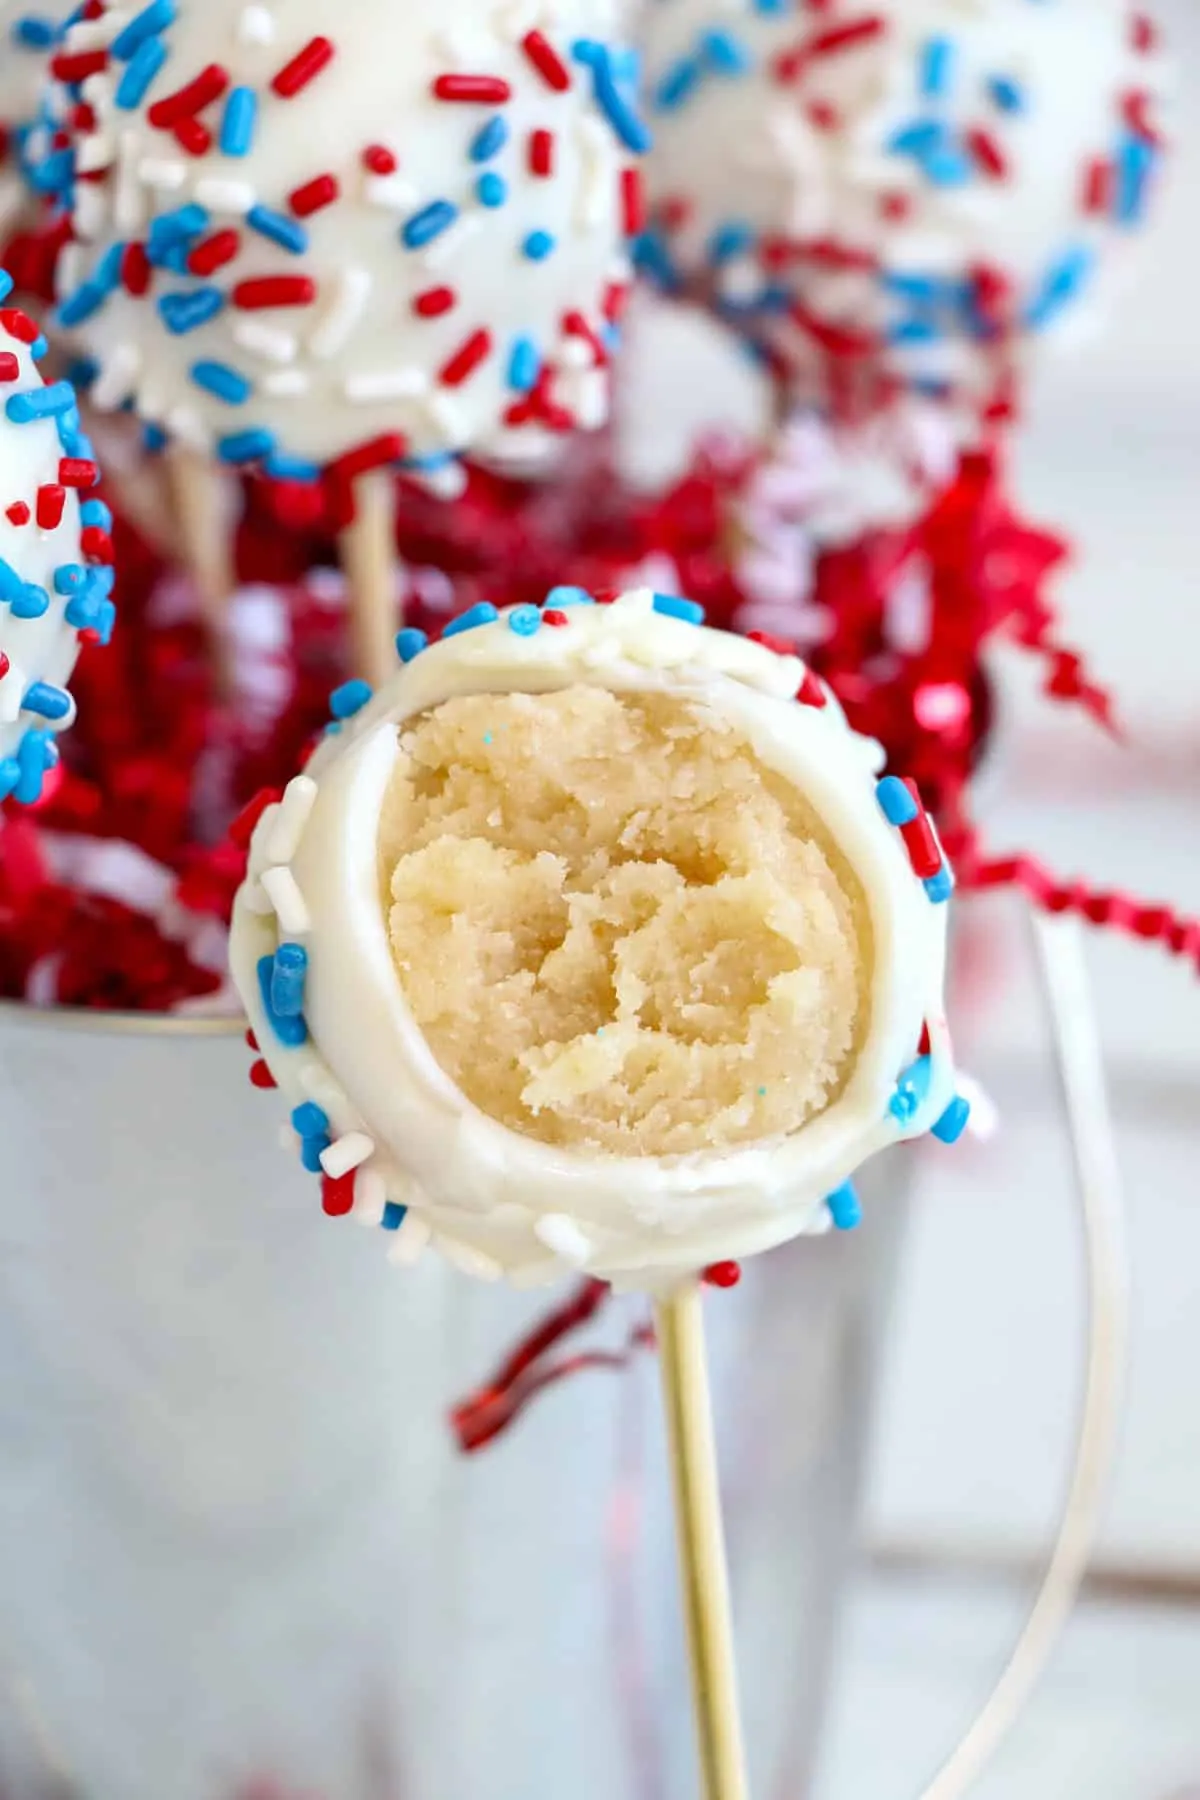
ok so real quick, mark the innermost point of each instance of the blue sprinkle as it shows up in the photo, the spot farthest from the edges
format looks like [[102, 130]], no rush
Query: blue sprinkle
[[482, 613], [953, 1121], [491, 189], [939, 887], [287, 980], [239, 121], [40, 403], [409, 643], [912, 1090], [55, 174], [725, 53], [246, 446], [179, 225], [677, 84], [33, 602], [95, 512], [1008, 94], [290, 1031], [394, 1215], [6, 284], [227, 384], [50, 702], [628, 128], [844, 1207], [569, 596], [35, 754], [917, 138], [729, 240], [291, 468], [489, 140], [181, 313], [11, 585], [310, 1153], [349, 699], [652, 258], [1136, 162], [936, 75], [538, 245], [673, 607], [78, 307], [526, 621], [144, 25], [137, 77], [895, 801], [154, 438], [1063, 283], [278, 228], [309, 1120], [428, 224], [524, 365], [34, 33]]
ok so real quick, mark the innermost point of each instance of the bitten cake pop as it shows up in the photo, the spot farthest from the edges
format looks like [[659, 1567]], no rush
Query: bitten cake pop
[[321, 240], [923, 183], [593, 940], [56, 577]]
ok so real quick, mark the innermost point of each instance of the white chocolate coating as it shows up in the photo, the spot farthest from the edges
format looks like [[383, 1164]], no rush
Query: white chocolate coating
[[497, 1202], [48, 593], [470, 245], [926, 180]]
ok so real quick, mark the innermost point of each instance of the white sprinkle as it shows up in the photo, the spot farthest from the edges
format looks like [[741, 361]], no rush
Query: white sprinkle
[[447, 418], [90, 211], [129, 190], [469, 1260], [185, 426], [446, 482], [70, 271], [370, 1197], [255, 900], [576, 352], [11, 691], [351, 291], [256, 26], [94, 152], [96, 34], [395, 193], [597, 182], [386, 384], [585, 394], [271, 342], [293, 815], [286, 384], [289, 1140], [563, 1236], [162, 172], [291, 909], [448, 243], [346, 1153], [223, 194], [410, 1242]]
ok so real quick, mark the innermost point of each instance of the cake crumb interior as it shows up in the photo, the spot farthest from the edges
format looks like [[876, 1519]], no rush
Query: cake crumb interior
[[617, 928]]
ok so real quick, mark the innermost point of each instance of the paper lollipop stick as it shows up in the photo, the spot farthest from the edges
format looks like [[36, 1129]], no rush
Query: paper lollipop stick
[[204, 538], [700, 1537], [367, 547]]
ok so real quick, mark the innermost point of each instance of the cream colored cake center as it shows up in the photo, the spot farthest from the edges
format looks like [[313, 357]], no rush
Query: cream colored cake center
[[618, 929]]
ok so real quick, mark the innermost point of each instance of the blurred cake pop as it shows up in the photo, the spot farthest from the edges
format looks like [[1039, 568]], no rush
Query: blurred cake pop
[[593, 940], [313, 240], [921, 187], [55, 555]]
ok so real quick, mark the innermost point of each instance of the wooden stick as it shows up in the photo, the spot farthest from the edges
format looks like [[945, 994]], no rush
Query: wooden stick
[[701, 1540], [368, 553], [205, 535]]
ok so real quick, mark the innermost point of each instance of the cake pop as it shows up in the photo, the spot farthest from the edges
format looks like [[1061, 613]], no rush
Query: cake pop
[[55, 555], [593, 940], [920, 186], [315, 241]]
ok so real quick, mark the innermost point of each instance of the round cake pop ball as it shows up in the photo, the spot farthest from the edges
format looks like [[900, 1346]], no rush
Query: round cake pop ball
[[593, 941], [55, 556], [312, 237], [919, 181]]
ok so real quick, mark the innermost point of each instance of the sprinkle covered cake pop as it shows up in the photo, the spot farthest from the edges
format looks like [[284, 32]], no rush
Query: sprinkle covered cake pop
[[592, 940], [312, 238], [921, 182], [28, 35], [56, 577]]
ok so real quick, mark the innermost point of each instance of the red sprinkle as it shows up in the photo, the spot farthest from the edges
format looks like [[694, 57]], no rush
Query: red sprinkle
[[1098, 184], [77, 472], [555, 617], [304, 67], [261, 1076], [10, 368], [987, 152], [541, 152], [73, 69], [1143, 33], [723, 1274], [377, 453], [781, 646], [434, 302], [633, 202], [193, 138], [187, 101], [19, 325], [926, 1043], [136, 274], [251, 1040], [5, 665], [18, 513], [337, 1195], [922, 847], [475, 89], [811, 691], [51, 499], [262, 291], [380, 160], [213, 252], [827, 43], [546, 60], [242, 829], [321, 191], [96, 544], [466, 358]]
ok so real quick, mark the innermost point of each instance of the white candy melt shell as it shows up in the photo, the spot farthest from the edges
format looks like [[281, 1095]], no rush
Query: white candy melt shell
[[497, 1197], [364, 223], [928, 176], [51, 587]]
